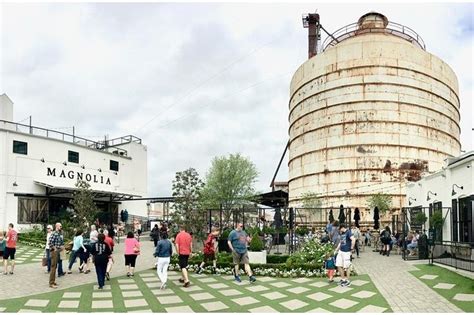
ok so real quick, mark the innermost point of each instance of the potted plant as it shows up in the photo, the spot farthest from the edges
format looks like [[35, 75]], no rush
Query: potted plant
[[257, 254], [436, 223], [420, 218]]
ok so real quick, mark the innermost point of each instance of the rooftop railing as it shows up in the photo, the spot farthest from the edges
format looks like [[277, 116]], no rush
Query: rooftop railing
[[108, 146], [393, 28]]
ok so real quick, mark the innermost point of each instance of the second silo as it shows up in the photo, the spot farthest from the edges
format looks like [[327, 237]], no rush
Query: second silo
[[369, 113]]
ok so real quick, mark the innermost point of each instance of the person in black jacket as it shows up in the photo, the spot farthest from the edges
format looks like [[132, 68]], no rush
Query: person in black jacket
[[101, 252], [155, 234], [386, 238]]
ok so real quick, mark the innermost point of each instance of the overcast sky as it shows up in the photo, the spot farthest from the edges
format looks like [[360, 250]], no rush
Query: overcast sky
[[193, 81]]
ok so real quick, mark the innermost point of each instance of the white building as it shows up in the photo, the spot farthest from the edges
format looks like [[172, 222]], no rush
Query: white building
[[40, 167], [452, 190]]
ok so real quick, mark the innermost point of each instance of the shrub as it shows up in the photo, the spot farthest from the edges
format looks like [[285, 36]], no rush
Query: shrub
[[256, 244], [277, 259], [224, 257], [268, 230], [313, 253], [302, 231], [225, 234], [252, 230], [272, 270]]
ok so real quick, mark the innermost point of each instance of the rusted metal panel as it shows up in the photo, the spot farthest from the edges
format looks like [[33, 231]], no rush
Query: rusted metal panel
[[367, 116]]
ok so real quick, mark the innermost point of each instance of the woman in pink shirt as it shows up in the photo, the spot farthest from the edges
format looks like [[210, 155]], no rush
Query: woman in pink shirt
[[132, 250]]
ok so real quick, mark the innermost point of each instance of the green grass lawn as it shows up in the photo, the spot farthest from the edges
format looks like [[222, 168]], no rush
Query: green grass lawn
[[462, 285], [207, 293], [28, 255]]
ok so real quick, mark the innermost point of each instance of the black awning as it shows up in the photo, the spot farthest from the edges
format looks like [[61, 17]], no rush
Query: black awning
[[274, 199], [52, 190]]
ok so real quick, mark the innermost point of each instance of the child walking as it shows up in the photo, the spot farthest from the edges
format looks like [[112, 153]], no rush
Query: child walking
[[330, 266], [209, 250]]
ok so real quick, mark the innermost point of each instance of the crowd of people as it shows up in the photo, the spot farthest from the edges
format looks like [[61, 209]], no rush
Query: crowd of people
[[98, 250]]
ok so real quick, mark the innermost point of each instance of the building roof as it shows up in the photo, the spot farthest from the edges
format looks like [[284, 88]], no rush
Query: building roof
[[274, 199], [462, 157]]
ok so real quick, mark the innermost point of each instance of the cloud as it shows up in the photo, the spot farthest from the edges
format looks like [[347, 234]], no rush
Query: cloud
[[193, 80]]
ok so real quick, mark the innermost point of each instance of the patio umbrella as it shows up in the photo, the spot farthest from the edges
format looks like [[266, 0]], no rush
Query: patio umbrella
[[331, 216], [342, 216], [277, 221], [376, 218], [357, 216]]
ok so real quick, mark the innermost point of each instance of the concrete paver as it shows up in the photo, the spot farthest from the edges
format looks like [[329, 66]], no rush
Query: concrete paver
[[26, 274], [392, 278]]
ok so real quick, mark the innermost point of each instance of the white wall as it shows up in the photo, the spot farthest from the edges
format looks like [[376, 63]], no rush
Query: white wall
[[6, 108], [26, 169], [441, 183]]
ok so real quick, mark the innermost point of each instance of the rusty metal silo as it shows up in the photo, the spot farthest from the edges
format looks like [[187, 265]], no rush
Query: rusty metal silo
[[372, 111]]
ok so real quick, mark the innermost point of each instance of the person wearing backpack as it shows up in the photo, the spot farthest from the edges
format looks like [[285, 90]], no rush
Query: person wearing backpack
[[334, 234], [386, 238], [155, 234], [209, 251], [101, 252]]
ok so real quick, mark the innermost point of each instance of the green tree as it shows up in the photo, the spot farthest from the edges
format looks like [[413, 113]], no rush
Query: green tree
[[85, 209], [311, 202], [187, 188], [230, 183], [382, 201]]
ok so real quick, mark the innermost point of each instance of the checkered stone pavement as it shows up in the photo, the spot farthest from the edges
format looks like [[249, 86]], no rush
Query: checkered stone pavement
[[208, 293], [27, 255]]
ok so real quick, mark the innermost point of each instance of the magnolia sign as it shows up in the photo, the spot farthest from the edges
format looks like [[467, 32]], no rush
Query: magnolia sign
[[98, 179]]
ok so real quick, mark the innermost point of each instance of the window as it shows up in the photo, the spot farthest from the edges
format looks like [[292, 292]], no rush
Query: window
[[20, 147], [454, 221], [466, 233], [437, 207], [114, 165], [32, 210], [73, 157]]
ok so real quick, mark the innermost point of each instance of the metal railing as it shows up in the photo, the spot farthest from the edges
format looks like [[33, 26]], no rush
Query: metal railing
[[393, 28], [123, 140], [454, 254], [53, 134]]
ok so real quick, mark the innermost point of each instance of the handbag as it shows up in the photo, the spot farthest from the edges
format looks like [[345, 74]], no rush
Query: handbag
[[136, 250], [44, 262], [62, 254]]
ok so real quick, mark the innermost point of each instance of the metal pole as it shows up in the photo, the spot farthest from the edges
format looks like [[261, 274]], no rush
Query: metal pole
[[210, 221], [220, 217], [404, 233], [31, 129], [73, 134]]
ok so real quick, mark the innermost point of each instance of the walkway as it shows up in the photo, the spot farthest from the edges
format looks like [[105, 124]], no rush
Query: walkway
[[402, 290], [31, 279]]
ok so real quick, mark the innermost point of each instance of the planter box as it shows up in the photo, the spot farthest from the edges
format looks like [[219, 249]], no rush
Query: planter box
[[258, 257]]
